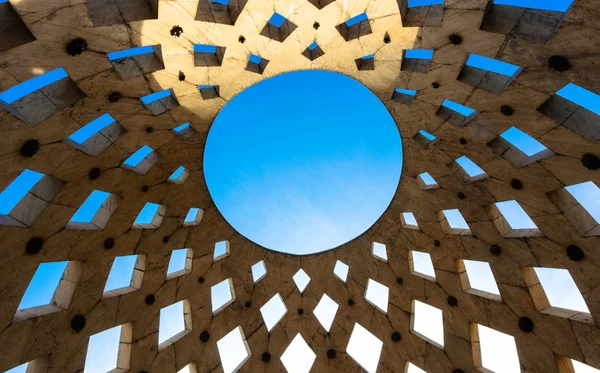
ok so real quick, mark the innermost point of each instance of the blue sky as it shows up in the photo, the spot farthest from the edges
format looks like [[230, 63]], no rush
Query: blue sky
[[556, 5], [310, 168]]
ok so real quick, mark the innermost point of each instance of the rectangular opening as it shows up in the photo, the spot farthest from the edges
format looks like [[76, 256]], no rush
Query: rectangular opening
[[355, 27], [493, 351], [233, 350], [179, 176], [137, 61], [193, 217], [519, 148], [580, 204], [259, 271], [209, 91], [467, 170], [425, 139], [512, 221], [488, 73], [114, 12], [426, 181], [95, 211], [364, 348], [180, 263], [416, 60], [161, 101], [150, 217], [109, 350], [419, 13], [141, 161], [420, 264], [408, 221], [222, 295], [341, 271], [24, 199], [256, 64], [184, 131], [34, 366], [208, 55], [403, 95], [453, 222], [567, 365], [38, 98], [427, 322], [457, 114], [125, 276], [377, 295], [365, 62], [12, 28], [219, 11], [477, 278], [50, 289], [175, 322], [273, 312], [222, 250], [278, 28], [96, 136]]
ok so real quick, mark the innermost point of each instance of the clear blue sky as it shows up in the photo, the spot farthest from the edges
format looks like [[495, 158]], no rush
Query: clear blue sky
[[304, 161]]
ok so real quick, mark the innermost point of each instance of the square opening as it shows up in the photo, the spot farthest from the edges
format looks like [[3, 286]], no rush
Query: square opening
[[298, 357], [325, 312], [512, 221], [278, 28], [416, 60], [125, 275], [273, 311], [355, 27], [412, 368], [408, 221], [420, 264], [426, 181], [184, 131], [180, 263], [233, 350], [467, 170], [208, 55], [137, 61], [313, 51], [109, 350], [477, 278], [419, 13], [488, 73], [12, 28], [150, 217], [427, 322], [175, 322], [453, 222], [580, 204], [364, 348], [222, 295], [377, 295], [95, 211], [493, 351], [222, 250], [256, 64]]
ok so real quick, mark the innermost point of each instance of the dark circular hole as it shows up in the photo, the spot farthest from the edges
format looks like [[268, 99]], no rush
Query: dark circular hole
[[78, 323], [316, 25], [242, 39], [201, 279], [29, 148], [114, 97], [455, 39], [165, 239], [574, 253], [350, 302], [506, 110], [437, 243], [109, 243], [76, 46], [452, 301], [94, 173], [331, 353], [266, 356], [149, 129], [460, 195], [590, 161], [181, 76], [145, 188], [34, 245], [176, 31], [399, 280], [435, 85], [462, 140], [396, 337], [150, 299], [559, 63], [204, 336], [300, 311], [458, 371], [386, 38], [516, 184], [248, 304], [495, 250], [526, 324]]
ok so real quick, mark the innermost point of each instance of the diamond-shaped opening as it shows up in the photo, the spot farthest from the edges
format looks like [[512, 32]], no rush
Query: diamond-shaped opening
[[273, 311], [256, 64], [50, 289], [355, 27], [567, 365], [233, 350], [220, 11], [313, 51], [365, 62], [341, 271], [325, 311], [180, 263], [420, 264], [94, 212], [377, 295], [452, 222], [278, 28], [427, 322], [409, 221], [412, 368], [301, 280], [150, 217], [222, 295], [193, 217], [555, 293], [426, 181], [208, 55], [298, 356], [364, 348], [175, 322], [125, 276], [320, 4], [109, 350], [477, 278], [512, 221], [190, 368], [259, 271], [493, 351], [379, 251], [222, 250]]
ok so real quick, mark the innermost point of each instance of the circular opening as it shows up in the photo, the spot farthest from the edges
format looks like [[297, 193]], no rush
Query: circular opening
[[303, 162]]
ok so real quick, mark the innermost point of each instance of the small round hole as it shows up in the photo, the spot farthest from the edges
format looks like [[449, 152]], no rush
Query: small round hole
[[506, 110], [248, 304], [461, 195], [575, 253], [396, 337], [435, 85], [149, 129], [558, 63], [94, 173], [34, 245], [350, 302], [386, 38], [437, 243], [242, 39], [455, 39], [114, 97], [316, 25], [300, 311], [516, 184], [76, 46], [590, 161], [266, 356], [462, 140], [495, 250], [399, 280], [331, 353], [165, 239], [29, 148], [144, 188], [204, 336], [452, 301], [201, 279], [109, 243], [150, 299], [78, 323], [181, 76], [526, 324], [176, 31]]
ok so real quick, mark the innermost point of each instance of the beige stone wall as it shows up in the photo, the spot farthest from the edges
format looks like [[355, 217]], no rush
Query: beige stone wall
[[55, 22]]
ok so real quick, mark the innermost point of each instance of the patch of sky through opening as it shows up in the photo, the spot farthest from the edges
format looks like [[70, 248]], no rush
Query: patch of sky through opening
[[303, 162]]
